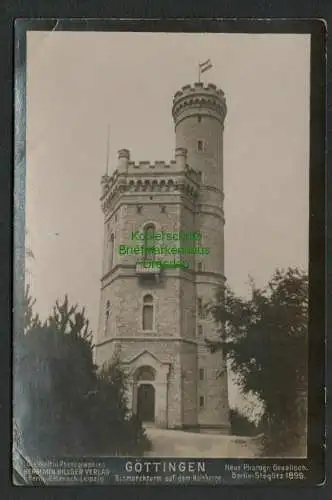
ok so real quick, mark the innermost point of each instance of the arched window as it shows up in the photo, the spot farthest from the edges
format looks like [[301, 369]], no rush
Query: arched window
[[200, 146], [111, 254], [107, 315], [149, 242], [145, 373], [147, 314]]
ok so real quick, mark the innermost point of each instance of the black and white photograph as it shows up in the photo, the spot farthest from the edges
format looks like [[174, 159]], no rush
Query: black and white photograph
[[166, 253]]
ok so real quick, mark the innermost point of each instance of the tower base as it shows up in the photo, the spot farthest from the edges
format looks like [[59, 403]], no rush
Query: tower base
[[205, 429]]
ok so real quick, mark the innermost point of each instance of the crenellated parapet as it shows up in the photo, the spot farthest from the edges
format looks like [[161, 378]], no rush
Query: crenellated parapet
[[199, 99], [147, 177], [160, 167], [165, 184], [147, 166], [208, 88]]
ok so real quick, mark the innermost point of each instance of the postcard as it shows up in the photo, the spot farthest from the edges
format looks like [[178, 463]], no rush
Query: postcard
[[164, 283]]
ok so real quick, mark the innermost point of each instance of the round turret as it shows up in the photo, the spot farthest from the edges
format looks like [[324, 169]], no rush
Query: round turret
[[200, 100], [199, 112]]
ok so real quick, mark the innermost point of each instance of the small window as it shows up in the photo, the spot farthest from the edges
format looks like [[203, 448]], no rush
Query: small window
[[201, 402], [147, 316], [139, 209], [111, 254], [107, 316], [199, 266], [199, 118], [107, 310], [200, 307], [149, 229], [199, 145], [199, 330], [201, 374]]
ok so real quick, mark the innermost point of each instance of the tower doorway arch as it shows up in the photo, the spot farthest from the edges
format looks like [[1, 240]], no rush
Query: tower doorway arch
[[146, 402], [146, 393]]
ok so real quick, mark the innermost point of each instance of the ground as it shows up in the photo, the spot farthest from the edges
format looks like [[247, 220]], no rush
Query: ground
[[169, 443]]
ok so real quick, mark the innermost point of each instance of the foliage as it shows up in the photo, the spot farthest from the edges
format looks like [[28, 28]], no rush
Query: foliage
[[265, 339], [30, 319], [65, 406], [122, 429], [67, 319], [241, 425]]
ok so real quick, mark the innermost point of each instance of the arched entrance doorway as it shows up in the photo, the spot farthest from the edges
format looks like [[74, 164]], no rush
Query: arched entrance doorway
[[146, 396], [146, 402]]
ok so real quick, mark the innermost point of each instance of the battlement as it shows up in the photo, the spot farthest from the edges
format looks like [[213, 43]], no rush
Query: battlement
[[137, 174], [150, 166], [198, 87], [125, 165], [168, 169], [199, 99]]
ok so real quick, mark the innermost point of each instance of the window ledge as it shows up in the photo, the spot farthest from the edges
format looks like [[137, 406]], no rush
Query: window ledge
[[147, 332]]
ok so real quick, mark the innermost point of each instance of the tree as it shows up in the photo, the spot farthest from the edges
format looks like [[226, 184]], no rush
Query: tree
[[110, 408], [64, 405], [30, 318], [265, 339], [55, 371]]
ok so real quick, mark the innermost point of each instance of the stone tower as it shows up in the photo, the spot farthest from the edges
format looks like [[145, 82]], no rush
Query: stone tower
[[155, 317]]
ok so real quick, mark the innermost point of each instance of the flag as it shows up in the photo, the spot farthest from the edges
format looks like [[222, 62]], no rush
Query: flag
[[205, 66]]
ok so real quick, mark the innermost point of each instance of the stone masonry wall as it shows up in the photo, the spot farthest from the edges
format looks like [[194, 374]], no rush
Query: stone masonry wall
[[166, 352]]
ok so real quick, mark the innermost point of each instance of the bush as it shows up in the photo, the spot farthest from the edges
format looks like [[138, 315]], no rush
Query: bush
[[63, 406], [118, 432], [265, 339], [241, 425]]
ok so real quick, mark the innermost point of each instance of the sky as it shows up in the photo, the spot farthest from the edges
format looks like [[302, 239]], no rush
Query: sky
[[79, 84]]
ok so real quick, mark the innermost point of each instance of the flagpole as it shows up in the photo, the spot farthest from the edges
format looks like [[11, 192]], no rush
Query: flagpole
[[107, 148], [202, 67]]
